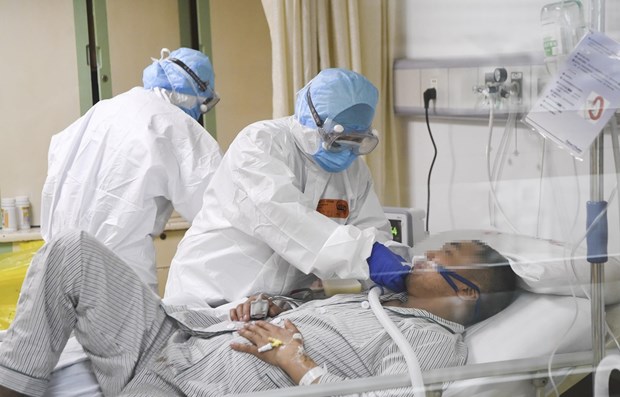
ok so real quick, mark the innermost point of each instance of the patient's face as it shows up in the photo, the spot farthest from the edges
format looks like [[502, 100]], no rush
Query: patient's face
[[425, 281]]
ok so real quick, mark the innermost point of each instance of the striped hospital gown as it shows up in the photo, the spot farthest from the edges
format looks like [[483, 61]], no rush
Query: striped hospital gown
[[138, 350]]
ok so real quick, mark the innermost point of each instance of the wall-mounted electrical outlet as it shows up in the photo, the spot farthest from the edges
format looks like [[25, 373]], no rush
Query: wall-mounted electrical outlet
[[516, 80], [437, 79], [466, 88]]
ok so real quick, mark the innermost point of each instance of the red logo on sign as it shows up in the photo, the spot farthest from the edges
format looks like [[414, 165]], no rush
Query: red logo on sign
[[598, 105]]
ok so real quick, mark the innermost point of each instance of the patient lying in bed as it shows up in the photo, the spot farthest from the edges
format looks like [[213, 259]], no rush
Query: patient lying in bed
[[137, 346]]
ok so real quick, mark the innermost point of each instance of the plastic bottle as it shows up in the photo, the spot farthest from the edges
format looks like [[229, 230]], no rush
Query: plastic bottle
[[563, 25], [9, 215], [22, 203], [332, 287]]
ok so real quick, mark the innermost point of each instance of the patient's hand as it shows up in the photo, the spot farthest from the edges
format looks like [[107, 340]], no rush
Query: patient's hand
[[242, 311], [279, 346]]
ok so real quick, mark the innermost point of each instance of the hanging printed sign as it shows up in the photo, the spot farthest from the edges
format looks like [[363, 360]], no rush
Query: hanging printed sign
[[579, 101]]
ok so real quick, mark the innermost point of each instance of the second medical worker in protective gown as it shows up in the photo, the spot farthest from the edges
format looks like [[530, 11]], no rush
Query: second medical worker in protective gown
[[119, 170], [290, 202]]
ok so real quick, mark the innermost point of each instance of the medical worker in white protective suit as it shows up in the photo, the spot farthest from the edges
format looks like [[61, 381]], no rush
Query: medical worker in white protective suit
[[292, 201], [119, 170]]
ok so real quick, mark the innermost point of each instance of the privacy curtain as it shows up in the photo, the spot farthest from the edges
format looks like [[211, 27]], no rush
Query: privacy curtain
[[310, 35]]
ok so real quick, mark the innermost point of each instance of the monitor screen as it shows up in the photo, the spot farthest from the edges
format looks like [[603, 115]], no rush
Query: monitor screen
[[397, 230]]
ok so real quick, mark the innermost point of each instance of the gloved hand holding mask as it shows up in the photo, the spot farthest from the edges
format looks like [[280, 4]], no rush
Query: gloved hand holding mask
[[387, 269]]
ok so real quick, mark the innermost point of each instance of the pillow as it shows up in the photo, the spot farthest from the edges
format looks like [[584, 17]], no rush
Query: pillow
[[531, 326], [543, 266]]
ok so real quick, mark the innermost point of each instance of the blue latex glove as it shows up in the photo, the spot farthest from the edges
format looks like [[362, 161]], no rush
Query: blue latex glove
[[386, 268]]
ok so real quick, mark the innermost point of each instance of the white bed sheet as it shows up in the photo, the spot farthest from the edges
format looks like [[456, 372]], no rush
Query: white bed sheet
[[74, 380], [72, 376]]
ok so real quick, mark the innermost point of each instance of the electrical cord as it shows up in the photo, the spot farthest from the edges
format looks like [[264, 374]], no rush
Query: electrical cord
[[429, 94]]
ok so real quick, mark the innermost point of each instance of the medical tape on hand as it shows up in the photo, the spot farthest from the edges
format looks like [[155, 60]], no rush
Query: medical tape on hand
[[265, 348]]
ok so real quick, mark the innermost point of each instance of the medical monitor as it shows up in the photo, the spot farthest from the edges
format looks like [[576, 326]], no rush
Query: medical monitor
[[407, 224]]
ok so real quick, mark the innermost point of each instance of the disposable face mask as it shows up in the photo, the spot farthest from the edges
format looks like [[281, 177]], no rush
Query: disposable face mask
[[334, 162]]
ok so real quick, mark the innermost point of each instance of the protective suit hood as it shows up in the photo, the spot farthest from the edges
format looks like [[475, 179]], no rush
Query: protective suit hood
[[340, 95], [306, 137], [183, 89]]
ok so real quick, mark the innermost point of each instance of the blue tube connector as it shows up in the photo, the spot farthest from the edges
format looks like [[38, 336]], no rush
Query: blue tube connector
[[597, 231]]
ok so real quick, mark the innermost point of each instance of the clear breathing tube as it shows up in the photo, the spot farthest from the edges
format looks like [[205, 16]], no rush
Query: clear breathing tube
[[500, 159], [612, 196], [495, 171], [615, 144], [489, 173], [413, 366]]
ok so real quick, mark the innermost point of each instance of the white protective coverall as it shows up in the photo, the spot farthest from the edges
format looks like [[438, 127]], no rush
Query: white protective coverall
[[118, 171], [260, 229]]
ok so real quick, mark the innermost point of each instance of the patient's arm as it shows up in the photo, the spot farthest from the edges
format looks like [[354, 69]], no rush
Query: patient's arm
[[288, 354], [242, 311]]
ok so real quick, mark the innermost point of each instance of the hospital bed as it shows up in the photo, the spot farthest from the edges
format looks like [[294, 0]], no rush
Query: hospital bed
[[509, 353], [539, 345]]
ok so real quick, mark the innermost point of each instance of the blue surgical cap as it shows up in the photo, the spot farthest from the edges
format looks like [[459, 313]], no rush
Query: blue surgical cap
[[165, 74], [341, 95]]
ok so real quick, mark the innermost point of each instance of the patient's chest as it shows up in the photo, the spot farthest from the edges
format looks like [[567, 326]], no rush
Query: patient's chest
[[349, 337]]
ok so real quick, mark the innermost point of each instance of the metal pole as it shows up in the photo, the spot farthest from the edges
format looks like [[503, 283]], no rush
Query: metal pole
[[597, 300], [597, 15]]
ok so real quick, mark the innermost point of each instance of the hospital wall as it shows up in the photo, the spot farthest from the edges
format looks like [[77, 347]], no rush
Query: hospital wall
[[40, 97], [550, 207], [40, 94]]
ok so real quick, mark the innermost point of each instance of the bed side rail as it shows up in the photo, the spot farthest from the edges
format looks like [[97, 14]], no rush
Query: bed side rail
[[529, 368]]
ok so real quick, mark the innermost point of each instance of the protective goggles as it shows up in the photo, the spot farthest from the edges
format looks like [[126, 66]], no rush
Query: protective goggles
[[205, 89], [337, 139]]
